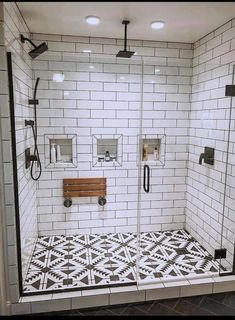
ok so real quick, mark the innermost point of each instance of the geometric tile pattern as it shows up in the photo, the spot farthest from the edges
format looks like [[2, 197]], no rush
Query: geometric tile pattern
[[78, 261]]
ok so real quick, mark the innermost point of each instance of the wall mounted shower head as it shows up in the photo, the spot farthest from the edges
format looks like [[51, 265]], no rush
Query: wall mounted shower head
[[125, 53], [37, 49]]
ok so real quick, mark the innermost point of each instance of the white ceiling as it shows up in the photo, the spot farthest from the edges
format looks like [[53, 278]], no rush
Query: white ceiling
[[185, 21]]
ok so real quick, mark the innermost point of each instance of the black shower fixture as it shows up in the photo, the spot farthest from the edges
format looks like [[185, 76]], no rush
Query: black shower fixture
[[32, 159], [37, 49], [124, 53]]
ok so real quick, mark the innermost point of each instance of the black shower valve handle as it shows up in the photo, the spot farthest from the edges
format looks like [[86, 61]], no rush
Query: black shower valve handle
[[208, 156], [202, 156]]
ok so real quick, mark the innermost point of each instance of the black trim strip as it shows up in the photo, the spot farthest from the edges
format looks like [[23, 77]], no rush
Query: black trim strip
[[14, 163], [233, 269], [227, 274]]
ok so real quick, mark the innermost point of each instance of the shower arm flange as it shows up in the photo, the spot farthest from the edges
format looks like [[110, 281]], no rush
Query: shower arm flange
[[23, 39]]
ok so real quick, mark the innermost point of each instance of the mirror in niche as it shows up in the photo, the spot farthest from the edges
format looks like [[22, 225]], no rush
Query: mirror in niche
[[107, 150]]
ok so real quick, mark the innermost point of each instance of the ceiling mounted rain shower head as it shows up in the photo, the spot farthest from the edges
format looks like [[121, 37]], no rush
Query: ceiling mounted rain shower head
[[37, 49], [124, 53]]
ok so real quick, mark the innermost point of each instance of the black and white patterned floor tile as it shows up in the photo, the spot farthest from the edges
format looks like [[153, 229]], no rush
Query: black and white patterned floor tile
[[60, 262]]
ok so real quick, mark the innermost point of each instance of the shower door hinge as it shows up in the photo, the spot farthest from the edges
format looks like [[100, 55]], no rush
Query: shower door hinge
[[220, 253], [230, 90]]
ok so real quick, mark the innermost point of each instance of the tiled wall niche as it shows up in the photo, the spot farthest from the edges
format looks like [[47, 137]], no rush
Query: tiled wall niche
[[102, 144], [68, 151], [154, 154]]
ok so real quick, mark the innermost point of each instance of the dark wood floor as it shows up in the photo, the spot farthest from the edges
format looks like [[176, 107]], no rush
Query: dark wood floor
[[213, 304]]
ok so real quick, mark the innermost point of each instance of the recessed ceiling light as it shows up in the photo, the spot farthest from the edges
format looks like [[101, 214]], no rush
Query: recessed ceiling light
[[157, 70], [91, 67], [157, 24], [122, 78], [93, 20], [86, 51]]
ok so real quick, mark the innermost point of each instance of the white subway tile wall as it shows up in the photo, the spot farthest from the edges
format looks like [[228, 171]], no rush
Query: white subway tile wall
[[14, 25], [209, 124], [103, 97]]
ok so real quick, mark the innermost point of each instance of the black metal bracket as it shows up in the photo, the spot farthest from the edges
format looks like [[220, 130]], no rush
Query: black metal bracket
[[68, 202], [23, 39], [230, 90], [33, 101], [220, 253], [28, 123], [102, 201]]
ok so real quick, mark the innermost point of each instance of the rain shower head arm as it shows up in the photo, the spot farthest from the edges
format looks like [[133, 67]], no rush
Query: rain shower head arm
[[125, 53], [125, 22], [23, 39]]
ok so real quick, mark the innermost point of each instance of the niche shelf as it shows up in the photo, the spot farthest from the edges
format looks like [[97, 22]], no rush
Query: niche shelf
[[68, 150], [107, 143], [153, 149]]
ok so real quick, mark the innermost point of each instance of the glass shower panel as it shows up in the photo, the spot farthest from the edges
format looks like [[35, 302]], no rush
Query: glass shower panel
[[204, 182], [108, 130], [228, 220], [160, 186], [94, 109], [180, 217]]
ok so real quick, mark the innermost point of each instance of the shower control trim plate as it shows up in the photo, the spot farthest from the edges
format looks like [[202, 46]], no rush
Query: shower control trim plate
[[207, 156], [29, 158], [230, 90]]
